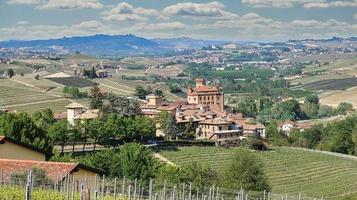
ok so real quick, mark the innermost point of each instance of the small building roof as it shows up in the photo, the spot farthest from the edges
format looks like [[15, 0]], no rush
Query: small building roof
[[215, 121], [56, 171], [88, 114]]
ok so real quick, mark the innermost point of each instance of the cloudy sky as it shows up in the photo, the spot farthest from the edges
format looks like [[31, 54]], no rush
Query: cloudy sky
[[234, 20]]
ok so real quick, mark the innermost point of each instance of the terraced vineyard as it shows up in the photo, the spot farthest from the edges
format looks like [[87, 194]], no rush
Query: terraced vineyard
[[56, 106], [127, 88], [289, 171], [21, 97]]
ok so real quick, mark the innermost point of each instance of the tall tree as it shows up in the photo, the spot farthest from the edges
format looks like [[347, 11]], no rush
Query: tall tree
[[137, 161], [246, 171], [10, 72], [96, 98], [59, 133]]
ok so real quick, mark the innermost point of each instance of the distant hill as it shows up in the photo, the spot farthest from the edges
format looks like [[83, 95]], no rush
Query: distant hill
[[186, 43], [109, 44], [95, 45]]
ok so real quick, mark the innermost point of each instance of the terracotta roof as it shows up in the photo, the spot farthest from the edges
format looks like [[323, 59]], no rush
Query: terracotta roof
[[54, 170], [60, 115], [147, 106], [88, 114], [215, 121], [199, 80], [205, 88]]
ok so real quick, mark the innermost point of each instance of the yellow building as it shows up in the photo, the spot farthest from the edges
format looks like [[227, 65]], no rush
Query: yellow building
[[12, 149], [206, 95]]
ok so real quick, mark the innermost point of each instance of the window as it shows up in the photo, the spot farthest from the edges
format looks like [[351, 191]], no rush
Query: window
[[204, 98], [194, 99]]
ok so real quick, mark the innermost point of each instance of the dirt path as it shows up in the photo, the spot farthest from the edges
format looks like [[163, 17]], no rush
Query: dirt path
[[163, 159]]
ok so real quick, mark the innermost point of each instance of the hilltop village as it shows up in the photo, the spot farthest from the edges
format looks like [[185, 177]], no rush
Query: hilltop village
[[204, 109]]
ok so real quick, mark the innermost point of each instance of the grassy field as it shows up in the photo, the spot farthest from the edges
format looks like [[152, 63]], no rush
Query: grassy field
[[289, 171]]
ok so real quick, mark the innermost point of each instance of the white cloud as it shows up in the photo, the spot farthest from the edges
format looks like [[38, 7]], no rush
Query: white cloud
[[347, 3], [305, 3], [170, 26], [32, 31], [25, 2], [71, 4], [252, 26], [23, 23], [208, 10], [278, 3], [127, 12]]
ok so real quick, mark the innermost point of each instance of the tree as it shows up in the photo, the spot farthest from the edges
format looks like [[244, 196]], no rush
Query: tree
[[121, 105], [37, 77], [93, 73], [140, 92], [59, 133], [312, 99], [343, 108], [97, 131], [170, 127], [10, 72], [199, 176], [137, 162], [159, 93], [96, 98], [22, 127], [245, 171]]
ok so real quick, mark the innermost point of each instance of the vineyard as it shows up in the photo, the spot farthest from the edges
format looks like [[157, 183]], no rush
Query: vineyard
[[289, 170], [73, 82], [127, 88], [14, 93]]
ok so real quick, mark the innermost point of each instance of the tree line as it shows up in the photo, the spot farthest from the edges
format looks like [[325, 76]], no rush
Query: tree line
[[134, 161]]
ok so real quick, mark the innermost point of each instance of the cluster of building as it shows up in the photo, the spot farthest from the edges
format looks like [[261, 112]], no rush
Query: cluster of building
[[205, 109]]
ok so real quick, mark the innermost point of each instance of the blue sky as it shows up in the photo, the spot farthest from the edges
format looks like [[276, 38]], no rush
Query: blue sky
[[234, 20]]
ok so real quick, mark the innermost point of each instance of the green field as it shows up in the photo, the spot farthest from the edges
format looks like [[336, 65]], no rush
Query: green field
[[13, 93], [289, 171]]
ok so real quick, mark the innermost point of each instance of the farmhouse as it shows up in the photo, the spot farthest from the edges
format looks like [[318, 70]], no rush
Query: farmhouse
[[102, 74], [56, 171], [286, 126], [76, 111], [13, 149]]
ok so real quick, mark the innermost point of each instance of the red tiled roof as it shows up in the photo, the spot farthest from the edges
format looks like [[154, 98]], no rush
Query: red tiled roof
[[54, 170], [60, 115], [204, 88]]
